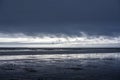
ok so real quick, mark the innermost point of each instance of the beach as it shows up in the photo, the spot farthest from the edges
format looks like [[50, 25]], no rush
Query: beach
[[93, 66]]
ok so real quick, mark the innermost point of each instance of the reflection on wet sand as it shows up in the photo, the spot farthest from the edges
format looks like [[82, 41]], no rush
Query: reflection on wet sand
[[96, 66]]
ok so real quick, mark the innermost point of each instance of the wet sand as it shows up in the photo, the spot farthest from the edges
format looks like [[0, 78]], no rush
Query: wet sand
[[94, 66]]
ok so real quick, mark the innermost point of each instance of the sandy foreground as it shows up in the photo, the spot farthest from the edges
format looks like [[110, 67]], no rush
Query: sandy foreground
[[96, 66]]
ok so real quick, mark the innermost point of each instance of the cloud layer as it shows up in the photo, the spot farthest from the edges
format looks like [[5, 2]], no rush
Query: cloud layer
[[61, 40]]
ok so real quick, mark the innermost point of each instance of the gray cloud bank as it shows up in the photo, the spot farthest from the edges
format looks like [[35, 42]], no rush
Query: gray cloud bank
[[49, 40], [69, 17]]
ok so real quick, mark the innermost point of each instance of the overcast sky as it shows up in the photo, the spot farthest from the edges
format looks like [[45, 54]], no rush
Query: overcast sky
[[60, 16]]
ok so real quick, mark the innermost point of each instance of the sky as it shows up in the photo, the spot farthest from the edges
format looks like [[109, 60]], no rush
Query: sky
[[56, 18]]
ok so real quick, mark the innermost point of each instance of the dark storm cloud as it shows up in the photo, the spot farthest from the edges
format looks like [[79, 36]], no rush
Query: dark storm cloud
[[58, 10], [60, 16]]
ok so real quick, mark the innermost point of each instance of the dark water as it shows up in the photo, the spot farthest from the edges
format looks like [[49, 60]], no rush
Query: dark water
[[71, 65], [32, 51]]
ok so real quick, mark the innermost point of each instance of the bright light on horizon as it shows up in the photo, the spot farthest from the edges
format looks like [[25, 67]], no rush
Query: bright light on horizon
[[50, 40]]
